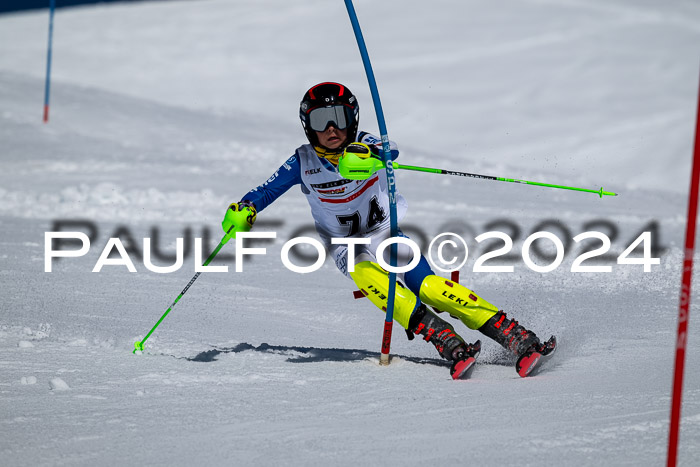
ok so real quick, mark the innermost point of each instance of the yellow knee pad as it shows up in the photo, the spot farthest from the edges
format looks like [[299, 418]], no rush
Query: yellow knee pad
[[373, 281], [457, 300]]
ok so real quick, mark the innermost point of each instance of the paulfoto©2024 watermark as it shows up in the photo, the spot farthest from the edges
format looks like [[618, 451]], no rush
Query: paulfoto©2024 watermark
[[447, 252]]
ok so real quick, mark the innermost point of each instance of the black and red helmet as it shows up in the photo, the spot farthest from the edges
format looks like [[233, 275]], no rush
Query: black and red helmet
[[329, 104]]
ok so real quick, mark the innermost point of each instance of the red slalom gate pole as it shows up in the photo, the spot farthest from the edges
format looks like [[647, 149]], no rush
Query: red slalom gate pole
[[684, 306]]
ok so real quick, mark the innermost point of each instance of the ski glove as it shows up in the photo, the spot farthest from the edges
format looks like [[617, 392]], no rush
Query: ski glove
[[239, 217], [358, 162]]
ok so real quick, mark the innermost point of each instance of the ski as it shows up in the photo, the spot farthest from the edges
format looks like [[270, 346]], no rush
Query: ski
[[463, 368], [532, 360]]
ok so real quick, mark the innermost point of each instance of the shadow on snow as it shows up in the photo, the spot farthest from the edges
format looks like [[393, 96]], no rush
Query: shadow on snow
[[297, 354]]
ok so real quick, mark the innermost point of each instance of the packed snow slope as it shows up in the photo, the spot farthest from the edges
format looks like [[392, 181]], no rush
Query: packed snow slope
[[163, 113]]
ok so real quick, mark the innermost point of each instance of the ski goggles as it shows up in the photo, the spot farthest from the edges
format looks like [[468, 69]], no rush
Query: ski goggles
[[323, 117]]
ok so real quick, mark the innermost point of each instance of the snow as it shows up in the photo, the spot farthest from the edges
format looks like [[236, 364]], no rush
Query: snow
[[28, 380], [57, 384], [163, 113]]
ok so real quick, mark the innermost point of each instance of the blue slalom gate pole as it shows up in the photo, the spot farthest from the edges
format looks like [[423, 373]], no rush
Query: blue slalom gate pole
[[391, 179], [47, 86]]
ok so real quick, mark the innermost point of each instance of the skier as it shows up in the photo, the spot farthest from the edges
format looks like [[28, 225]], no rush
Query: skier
[[329, 114]]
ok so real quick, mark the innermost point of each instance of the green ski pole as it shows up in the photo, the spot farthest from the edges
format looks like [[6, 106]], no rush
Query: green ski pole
[[356, 165], [138, 345], [600, 192], [237, 219]]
